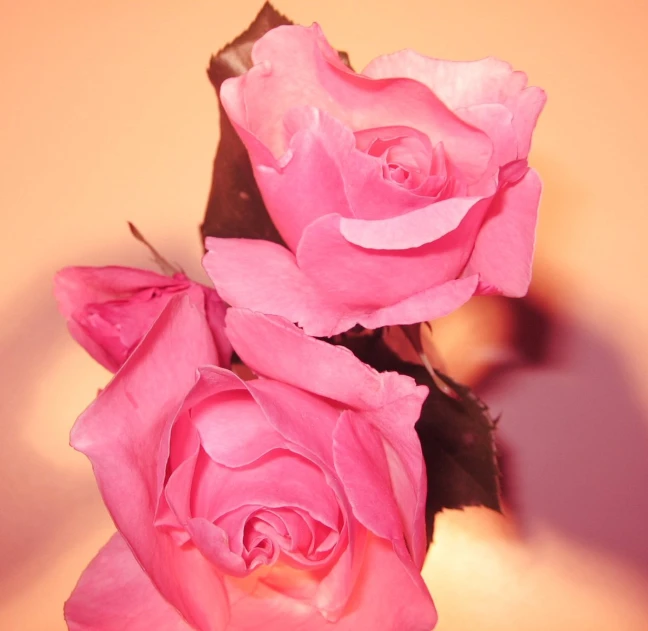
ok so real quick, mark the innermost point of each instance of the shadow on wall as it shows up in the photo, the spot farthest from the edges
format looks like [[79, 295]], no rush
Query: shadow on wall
[[576, 438], [41, 504], [45, 507]]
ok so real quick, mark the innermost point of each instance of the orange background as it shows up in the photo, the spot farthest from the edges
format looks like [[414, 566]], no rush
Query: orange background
[[106, 115]]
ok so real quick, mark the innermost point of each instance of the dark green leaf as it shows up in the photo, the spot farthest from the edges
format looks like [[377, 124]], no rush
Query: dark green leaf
[[235, 207], [456, 433]]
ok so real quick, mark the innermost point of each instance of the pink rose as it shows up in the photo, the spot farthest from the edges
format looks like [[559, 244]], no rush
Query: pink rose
[[288, 502], [401, 191], [110, 309]]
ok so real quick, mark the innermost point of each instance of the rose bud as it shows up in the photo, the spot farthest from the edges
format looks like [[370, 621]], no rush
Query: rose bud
[[109, 309]]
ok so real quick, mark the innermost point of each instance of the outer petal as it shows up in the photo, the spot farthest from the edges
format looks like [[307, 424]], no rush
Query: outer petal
[[298, 67], [429, 304], [378, 456], [504, 248], [366, 280], [361, 463], [410, 230], [109, 309], [497, 121], [121, 434], [264, 276], [75, 287], [94, 300], [310, 182], [386, 597], [215, 406], [463, 84], [291, 356], [114, 594]]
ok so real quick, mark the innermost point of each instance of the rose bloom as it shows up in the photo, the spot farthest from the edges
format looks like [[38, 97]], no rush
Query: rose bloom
[[400, 191], [292, 501], [109, 309]]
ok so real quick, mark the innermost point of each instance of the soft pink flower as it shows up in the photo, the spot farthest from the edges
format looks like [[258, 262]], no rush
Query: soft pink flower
[[401, 191], [110, 309], [292, 501]]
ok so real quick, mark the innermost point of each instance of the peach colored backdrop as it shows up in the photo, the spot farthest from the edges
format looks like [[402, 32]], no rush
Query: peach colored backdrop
[[106, 115]]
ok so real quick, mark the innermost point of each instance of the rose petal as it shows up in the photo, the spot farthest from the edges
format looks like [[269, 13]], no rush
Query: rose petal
[[336, 588], [114, 594], [109, 309], [305, 421], [297, 67], [278, 480], [497, 121], [78, 286], [504, 248], [411, 230], [233, 429], [462, 84], [312, 365], [121, 434], [378, 457], [367, 280], [385, 597], [396, 425], [429, 304], [361, 463], [174, 501], [215, 310], [318, 147], [213, 543], [264, 276]]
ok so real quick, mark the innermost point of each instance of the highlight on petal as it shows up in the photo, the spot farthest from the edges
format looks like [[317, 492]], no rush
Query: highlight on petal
[[226, 439], [497, 121], [115, 594], [463, 84]]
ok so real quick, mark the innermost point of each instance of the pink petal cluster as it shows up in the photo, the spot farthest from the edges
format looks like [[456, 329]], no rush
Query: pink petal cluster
[[292, 501], [401, 191], [296, 500], [110, 309]]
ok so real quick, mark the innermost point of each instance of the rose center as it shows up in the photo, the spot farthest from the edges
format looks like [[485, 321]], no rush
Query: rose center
[[296, 536], [258, 545], [406, 157]]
